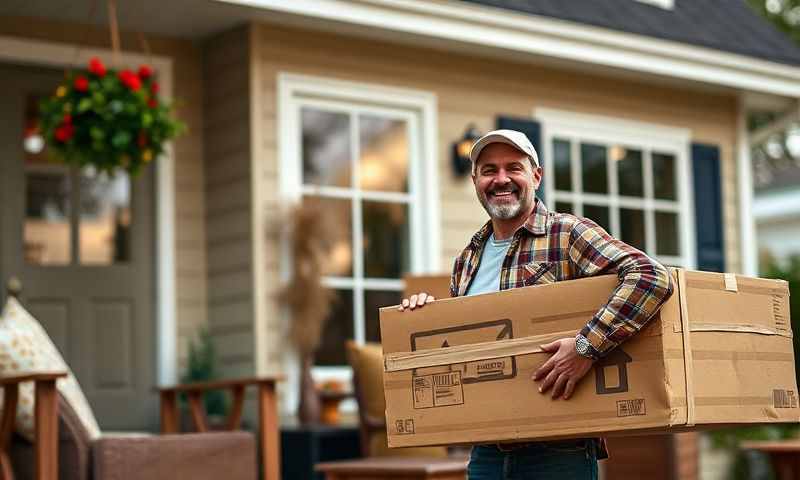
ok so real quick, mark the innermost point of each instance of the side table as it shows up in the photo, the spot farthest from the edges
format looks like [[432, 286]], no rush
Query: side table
[[396, 468], [303, 446]]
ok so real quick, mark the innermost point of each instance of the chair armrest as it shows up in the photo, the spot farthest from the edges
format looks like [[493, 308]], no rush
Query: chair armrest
[[46, 421], [194, 391], [227, 455], [32, 377]]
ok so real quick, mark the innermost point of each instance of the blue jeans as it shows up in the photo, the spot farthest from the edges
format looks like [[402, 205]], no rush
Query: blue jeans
[[562, 460]]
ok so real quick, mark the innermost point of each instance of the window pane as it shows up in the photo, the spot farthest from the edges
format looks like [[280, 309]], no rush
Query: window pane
[[373, 300], [337, 330], [629, 171], [338, 242], [105, 218], [47, 239], [599, 214], [631, 223], [386, 239], [594, 172], [384, 154], [563, 164], [664, 176], [667, 234], [564, 207], [326, 148]]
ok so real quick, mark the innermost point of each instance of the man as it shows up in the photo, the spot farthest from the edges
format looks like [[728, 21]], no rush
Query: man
[[523, 244]]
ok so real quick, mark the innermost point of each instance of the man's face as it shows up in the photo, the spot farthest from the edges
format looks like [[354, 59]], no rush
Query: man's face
[[505, 181]]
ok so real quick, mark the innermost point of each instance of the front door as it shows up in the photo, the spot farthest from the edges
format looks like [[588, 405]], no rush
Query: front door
[[82, 245]]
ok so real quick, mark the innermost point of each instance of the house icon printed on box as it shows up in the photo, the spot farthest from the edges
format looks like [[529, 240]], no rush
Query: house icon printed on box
[[618, 358]]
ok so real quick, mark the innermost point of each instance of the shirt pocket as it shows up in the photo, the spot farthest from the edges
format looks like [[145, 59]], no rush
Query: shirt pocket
[[538, 273]]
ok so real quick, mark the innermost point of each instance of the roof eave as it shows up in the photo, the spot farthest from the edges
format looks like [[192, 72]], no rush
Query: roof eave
[[538, 36]]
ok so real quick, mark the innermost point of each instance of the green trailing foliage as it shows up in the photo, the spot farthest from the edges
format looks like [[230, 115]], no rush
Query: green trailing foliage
[[754, 465]]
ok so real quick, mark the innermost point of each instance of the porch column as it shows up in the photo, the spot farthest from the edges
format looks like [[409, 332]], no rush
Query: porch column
[[744, 166]]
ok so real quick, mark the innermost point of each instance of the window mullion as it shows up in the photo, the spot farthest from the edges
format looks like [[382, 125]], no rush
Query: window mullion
[[613, 194], [74, 216], [358, 237], [649, 214], [577, 179]]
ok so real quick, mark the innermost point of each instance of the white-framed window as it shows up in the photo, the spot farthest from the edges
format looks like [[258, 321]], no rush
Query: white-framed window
[[365, 154], [631, 178]]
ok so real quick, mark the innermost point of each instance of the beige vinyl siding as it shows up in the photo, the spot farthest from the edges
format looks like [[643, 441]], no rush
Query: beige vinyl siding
[[469, 89], [190, 231], [228, 194]]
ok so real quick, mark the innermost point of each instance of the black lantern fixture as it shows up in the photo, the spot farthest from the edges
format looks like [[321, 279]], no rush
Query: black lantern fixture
[[462, 165]]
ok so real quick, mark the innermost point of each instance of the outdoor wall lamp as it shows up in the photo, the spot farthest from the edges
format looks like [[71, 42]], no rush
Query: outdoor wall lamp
[[462, 165]]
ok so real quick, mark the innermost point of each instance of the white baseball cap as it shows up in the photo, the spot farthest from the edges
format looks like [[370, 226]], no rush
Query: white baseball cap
[[514, 138]]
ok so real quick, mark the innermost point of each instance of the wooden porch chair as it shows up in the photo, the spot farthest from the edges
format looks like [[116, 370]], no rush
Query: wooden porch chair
[[367, 363], [63, 448]]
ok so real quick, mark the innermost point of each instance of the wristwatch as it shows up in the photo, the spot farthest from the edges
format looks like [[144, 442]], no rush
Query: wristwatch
[[584, 348]]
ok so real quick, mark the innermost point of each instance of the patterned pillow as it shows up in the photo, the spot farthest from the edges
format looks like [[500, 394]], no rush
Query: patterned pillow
[[26, 348]]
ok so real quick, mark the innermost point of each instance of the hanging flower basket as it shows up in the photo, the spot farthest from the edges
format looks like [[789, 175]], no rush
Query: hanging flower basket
[[108, 119]]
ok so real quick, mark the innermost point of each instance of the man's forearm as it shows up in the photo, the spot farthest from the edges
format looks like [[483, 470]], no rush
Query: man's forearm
[[644, 286]]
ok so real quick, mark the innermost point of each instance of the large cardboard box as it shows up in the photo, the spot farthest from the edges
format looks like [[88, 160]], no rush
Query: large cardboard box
[[437, 285], [459, 370]]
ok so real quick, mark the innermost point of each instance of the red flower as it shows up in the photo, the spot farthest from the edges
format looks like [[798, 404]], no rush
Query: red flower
[[67, 118], [154, 87], [81, 83], [152, 103], [145, 72], [96, 67], [142, 139], [130, 80], [64, 132]]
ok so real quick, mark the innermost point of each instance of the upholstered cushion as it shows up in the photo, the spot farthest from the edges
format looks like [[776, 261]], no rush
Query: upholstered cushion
[[25, 348], [189, 456], [367, 363]]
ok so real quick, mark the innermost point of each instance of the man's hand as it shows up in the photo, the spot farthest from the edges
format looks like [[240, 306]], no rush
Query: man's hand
[[416, 301], [563, 370]]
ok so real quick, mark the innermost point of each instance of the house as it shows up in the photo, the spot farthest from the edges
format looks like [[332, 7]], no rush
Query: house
[[776, 208], [638, 109]]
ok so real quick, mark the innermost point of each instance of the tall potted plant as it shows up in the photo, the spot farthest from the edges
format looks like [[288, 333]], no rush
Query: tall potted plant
[[306, 298]]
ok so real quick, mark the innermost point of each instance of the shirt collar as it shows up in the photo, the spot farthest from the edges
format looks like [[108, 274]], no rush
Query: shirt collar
[[537, 222]]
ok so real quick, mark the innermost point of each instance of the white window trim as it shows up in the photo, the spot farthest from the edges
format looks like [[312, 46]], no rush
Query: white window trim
[[615, 131], [426, 244]]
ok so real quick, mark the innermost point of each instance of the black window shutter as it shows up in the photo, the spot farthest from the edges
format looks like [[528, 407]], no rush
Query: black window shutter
[[533, 130], [708, 207]]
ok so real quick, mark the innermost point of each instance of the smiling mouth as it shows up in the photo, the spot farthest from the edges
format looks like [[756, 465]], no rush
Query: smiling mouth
[[503, 195]]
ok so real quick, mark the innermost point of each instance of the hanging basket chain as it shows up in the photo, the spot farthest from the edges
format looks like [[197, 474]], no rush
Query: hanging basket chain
[[114, 31], [108, 118]]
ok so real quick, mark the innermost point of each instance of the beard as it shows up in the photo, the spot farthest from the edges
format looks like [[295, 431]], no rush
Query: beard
[[506, 210]]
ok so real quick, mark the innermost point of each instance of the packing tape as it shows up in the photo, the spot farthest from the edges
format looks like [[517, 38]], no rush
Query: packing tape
[[730, 282], [742, 328], [687, 349], [434, 357]]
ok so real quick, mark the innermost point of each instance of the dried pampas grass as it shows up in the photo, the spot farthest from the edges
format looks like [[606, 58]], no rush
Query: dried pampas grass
[[309, 231]]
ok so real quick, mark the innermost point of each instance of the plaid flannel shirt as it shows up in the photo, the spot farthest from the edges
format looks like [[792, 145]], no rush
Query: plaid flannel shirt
[[551, 247]]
